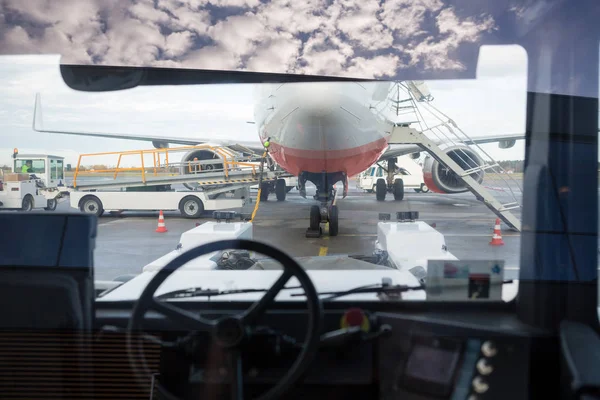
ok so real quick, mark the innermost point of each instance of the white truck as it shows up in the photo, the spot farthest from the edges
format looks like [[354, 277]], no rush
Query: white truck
[[36, 182], [191, 204], [409, 171]]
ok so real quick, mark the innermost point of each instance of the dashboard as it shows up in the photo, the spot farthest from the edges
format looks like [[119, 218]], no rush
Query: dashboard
[[417, 351]]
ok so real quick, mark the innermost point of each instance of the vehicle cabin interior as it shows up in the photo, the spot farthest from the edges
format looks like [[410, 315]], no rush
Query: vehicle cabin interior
[[58, 341]]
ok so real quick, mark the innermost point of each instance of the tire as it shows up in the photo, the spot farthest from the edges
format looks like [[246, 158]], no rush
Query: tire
[[51, 205], [315, 218], [27, 204], [380, 189], [280, 189], [91, 205], [398, 189], [333, 221], [191, 207], [264, 191], [424, 188]]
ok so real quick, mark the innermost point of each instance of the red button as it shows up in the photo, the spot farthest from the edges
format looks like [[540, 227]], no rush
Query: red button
[[354, 317]]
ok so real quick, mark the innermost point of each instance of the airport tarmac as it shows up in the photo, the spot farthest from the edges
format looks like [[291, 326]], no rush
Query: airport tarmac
[[126, 243]]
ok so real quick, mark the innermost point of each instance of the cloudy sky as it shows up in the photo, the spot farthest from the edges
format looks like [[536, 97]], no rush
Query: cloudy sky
[[341, 37]]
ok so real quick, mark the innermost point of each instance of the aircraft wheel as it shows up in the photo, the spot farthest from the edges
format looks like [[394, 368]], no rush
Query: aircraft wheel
[[264, 192], [424, 188], [280, 189], [333, 221], [315, 218], [380, 189], [398, 189]]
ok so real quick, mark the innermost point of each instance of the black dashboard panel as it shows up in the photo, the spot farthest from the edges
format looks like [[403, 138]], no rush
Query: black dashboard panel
[[429, 359], [432, 352]]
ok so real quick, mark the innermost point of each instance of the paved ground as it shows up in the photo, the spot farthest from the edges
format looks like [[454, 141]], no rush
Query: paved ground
[[127, 243]]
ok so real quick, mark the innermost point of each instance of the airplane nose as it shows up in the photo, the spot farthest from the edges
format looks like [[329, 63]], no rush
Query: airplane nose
[[318, 99]]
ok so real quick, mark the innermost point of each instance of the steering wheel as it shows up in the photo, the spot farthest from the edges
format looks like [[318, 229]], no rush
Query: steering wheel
[[229, 332]]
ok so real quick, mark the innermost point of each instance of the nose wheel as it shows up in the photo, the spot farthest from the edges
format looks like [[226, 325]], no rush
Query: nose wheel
[[323, 215]]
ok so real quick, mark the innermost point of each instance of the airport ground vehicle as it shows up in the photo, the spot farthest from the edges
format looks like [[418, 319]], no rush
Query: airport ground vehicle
[[209, 189], [191, 204], [41, 188], [22, 195], [408, 171], [190, 186]]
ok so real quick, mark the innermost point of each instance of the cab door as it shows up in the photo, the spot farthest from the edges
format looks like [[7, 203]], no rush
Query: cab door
[[56, 173]]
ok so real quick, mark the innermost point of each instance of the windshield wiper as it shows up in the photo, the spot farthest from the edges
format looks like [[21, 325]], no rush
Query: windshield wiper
[[384, 288], [200, 292], [379, 288]]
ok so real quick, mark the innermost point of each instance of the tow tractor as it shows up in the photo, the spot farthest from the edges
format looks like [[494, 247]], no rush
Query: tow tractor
[[41, 187]]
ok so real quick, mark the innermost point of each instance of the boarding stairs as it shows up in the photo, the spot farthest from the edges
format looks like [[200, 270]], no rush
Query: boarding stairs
[[414, 120]]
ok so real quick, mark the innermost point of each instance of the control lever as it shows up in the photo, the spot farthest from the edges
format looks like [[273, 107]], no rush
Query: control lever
[[344, 336]]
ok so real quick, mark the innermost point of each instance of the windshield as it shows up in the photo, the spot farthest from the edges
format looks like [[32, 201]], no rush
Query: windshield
[[450, 212], [30, 165], [339, 159]]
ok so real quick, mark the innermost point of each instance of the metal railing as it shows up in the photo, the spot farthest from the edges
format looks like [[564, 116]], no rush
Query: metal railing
[[161, 165], [407, 109]]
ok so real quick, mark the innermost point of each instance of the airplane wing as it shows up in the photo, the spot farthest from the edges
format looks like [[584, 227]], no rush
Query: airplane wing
[[397, 150], [157, 141]]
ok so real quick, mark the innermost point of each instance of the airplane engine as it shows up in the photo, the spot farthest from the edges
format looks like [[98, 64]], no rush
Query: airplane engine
[[160, 144], [201, 155], [441, 179]]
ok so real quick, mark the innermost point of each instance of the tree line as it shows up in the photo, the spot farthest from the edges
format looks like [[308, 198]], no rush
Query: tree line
[[512, 165]]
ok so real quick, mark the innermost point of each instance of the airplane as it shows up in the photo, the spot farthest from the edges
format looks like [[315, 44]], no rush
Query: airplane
[[326, 132]]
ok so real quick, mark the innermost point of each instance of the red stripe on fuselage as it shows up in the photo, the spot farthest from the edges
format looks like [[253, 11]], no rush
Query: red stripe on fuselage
[[351, 161]]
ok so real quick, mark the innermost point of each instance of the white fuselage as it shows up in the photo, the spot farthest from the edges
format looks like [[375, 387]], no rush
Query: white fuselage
[[322, 126]]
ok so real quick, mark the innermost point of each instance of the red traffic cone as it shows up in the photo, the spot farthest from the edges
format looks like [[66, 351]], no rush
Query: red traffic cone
[[497, 237], [161, 223]]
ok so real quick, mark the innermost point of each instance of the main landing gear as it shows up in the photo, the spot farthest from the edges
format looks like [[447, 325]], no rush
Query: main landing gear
[[390, 184], [278, 187], [326, 212]]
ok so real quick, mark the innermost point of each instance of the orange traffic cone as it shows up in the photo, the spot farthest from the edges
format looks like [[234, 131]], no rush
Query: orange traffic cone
[[497, 237], [161, 223]]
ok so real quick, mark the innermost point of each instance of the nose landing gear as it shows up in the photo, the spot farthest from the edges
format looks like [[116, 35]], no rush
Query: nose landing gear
[[326, 212], [323, 214]]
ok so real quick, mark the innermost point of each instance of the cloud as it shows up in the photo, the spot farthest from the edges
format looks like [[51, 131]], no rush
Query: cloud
[[178, 43], [436, 53], [361, 38], [377, 67], [212, 57], [406, 17], [282, 51]]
